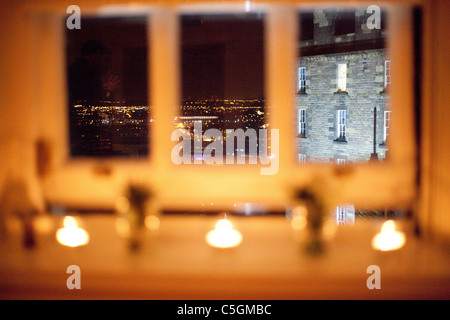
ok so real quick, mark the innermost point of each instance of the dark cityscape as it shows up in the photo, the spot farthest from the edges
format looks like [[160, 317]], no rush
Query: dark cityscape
[[222, 78]]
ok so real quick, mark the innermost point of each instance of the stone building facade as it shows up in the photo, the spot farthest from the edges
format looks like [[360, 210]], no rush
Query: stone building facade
[[343, 74]]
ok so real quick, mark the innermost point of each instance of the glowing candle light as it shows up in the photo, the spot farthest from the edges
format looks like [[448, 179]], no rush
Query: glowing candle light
[[71, 235], [298, 221], [388, 239], [223, 236], [152, 222]]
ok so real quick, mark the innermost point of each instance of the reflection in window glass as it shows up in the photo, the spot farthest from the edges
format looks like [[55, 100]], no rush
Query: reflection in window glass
[[342, 77], [349, 215], [107, 84], [346, 72], [222, 80]]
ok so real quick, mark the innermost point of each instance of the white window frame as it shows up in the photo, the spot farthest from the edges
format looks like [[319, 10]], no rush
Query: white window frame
[[387, 73], [345, 214], [74, 179], [302, 79], [302, 122], [341, 212], [302, 158], [341, 76], [342, 124], [386, 125], [341, 161]]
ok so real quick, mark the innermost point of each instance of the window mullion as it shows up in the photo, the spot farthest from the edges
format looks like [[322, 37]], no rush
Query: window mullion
[[164, 83]]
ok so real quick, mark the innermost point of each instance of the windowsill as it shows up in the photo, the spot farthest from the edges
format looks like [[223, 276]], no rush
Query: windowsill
[[383, 145], [385, 91], [274, 264], [340, 140], [302, 136], [303, 93], [341, 92]]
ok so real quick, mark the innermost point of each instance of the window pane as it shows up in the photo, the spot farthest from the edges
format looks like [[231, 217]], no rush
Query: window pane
[[302, 79], [344, 21], [387, 120], [387, 73], [346, 97], [222, 81], [342, 77], [346, 102], [107, 83]]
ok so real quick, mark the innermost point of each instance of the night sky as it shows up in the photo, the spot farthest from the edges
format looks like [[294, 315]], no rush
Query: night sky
[[126, 40], [222, 55]]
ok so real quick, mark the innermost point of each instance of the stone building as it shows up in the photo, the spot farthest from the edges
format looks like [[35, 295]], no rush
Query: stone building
[[343, 74]]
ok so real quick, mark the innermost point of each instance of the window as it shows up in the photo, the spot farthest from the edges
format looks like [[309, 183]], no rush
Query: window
[[387, 120], [302, 123], [280, 80], [387, 73], [340, 215], [350, 67], [341, 124], [344, 23], [342, 77], [341, 161], [384, 20], [345, 214], [222, 57], [302, 80], [302, 158], [307, 26], [107, 81]]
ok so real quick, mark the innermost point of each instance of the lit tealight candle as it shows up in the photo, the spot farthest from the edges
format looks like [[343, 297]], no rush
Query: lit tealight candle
[[223, 236], [388, 239], [71, 235]]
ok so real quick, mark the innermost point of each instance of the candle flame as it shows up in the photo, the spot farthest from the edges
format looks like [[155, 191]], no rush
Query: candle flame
[[223, 236], [388, 239], [71, 235]]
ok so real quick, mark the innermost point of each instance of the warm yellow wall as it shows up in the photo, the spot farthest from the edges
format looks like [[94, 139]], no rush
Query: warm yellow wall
[[436, 152]]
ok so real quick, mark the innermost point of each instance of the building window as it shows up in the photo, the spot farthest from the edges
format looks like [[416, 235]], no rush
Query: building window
[[341, 161], [344, 23], [387, 73], [340, 215], [306, 26], [345, 215], [302, 80], [341, 125], [302, 158], [387, 121], [302, 123], [342, 77]]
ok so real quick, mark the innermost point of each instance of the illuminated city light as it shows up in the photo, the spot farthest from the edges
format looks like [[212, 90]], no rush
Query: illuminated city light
[[223, 236], [71, 235], [388, 239]]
